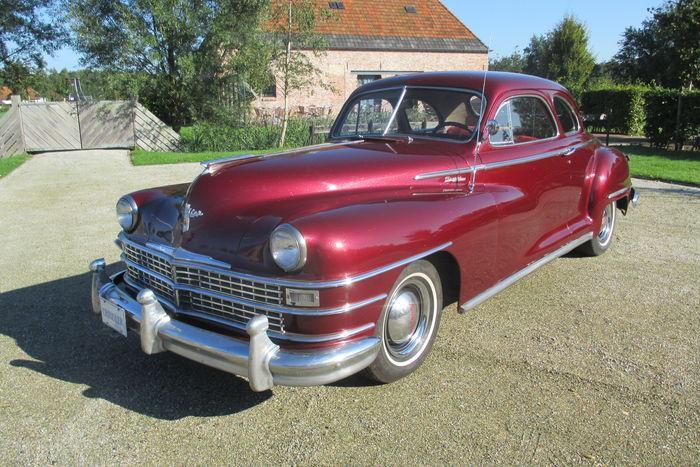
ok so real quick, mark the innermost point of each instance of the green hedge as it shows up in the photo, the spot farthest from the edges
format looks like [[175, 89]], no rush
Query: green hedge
[[661, 114], [215, 137], [624, 107]]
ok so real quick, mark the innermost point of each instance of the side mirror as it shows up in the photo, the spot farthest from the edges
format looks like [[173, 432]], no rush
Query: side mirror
[[492, 127]]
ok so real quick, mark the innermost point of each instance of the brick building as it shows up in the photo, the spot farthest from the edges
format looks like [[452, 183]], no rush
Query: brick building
[[371, 39]]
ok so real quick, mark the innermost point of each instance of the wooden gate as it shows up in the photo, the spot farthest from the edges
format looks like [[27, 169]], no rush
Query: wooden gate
[[106, 124], [50, 126], [60, 126]]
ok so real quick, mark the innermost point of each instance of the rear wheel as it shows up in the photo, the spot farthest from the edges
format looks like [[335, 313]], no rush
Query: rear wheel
[[602, 242], [408, 324]]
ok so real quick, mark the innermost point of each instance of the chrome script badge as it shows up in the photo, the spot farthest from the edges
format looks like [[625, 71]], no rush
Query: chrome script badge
[[188, 212]]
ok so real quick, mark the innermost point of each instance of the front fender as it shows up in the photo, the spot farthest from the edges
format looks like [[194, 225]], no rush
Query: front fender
[[355, 239]]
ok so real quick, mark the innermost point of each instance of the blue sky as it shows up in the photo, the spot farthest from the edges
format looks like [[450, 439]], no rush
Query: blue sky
[[506, 24]]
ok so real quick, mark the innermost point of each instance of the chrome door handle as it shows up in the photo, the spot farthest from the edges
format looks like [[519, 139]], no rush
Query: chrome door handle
[[569, 151]]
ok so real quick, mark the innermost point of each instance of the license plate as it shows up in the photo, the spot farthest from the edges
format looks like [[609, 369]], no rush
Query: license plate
[[113, 316]]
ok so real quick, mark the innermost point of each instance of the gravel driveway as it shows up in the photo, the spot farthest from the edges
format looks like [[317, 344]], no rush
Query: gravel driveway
[[587, 360]]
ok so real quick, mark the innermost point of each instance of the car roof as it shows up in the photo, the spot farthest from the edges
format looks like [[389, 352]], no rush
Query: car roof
[[496, 82]]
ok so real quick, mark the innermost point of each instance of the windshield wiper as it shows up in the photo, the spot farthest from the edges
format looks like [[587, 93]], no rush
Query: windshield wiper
[[378, 138]]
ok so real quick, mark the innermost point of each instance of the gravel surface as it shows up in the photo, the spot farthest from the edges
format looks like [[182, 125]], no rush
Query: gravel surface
[[590, 361]]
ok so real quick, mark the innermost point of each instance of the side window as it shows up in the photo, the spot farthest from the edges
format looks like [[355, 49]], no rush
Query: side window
[[421, 115], [566, 115], [523, 119]]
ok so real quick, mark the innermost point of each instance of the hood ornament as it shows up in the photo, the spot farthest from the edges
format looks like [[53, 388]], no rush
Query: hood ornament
[[188, 212]]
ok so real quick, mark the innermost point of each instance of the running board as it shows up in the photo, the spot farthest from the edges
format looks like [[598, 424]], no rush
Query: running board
[[505, 283]]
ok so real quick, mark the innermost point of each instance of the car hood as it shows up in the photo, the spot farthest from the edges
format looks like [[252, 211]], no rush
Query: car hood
[[234, 206]]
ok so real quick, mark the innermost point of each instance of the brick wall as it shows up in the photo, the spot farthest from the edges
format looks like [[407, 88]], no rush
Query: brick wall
[[341, 68]]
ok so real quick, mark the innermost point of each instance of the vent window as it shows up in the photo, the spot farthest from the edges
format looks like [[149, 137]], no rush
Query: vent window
[[336, 5], [410, 9]]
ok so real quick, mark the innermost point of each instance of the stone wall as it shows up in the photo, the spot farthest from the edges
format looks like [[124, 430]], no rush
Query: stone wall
[[341, 69]]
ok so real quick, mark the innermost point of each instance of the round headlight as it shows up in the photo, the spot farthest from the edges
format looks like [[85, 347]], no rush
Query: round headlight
[[288, 248], [127, 213]]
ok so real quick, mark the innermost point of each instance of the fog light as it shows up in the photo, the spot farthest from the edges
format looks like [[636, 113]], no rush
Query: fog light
[[305, 298]]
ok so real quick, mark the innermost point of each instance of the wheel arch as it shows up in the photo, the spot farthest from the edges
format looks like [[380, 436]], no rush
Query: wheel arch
[[448, 269]]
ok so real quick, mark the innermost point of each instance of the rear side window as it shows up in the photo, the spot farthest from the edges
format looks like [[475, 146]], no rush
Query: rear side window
[[566, 115], [522, 120]]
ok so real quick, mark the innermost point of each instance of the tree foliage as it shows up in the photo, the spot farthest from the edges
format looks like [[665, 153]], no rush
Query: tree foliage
[[26, 33], [184, 54], [562, 55], [514, 63], [665, 50], [292, 44]]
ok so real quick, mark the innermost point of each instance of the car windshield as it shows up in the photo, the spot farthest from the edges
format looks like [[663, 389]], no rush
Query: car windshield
[[422, 112]]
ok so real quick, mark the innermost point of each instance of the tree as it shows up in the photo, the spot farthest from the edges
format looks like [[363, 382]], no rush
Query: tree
[[665, 50], [562, 55], [293, 43], [514, 63], [174, 51], [26, 33]]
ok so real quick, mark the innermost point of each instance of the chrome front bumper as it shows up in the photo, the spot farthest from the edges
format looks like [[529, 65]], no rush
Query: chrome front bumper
[[263, 362]]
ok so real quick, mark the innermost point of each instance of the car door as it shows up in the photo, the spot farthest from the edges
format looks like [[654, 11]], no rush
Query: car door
[[577, 152], [522, 165]]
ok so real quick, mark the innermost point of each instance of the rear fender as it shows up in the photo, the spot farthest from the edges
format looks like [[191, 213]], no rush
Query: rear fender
[[610, 181]]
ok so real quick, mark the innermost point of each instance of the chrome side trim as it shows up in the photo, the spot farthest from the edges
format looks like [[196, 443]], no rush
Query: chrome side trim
[[617, 193], [300, 284], [501, 164], [505, 283], [521, 160], [444, 173], [361, 277], [259, 305]]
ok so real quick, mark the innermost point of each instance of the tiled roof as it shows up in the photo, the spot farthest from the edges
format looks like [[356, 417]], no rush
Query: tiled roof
[[386, 25], [419, 44]]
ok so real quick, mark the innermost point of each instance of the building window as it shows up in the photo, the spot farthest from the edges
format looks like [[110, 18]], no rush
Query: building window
[[366, 79], [271, 89], [410, 9], [336, 5]]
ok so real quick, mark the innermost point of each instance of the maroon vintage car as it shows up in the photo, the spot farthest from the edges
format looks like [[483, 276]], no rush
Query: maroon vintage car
[[305, 267]]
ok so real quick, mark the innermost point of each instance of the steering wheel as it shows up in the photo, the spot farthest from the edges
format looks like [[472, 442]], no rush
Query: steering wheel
[[457, 124]]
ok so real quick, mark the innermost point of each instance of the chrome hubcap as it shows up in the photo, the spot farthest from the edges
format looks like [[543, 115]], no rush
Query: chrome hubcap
[[403, 317], [409, 320], [606, 227]]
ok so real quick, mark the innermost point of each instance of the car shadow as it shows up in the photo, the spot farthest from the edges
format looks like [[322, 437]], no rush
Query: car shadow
[[52, 324]]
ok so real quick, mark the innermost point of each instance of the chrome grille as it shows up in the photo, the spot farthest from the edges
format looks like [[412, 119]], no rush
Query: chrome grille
[[148, 260], [228, 285], [227, 309], [159, 286], [183, 277]]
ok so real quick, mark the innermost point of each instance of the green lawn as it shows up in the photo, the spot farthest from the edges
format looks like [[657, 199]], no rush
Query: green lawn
[[141, 157], [8, 164], [660, 164]]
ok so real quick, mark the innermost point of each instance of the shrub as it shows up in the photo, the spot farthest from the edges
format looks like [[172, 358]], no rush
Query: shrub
[[624, 106], [661, 116], [255, 136]]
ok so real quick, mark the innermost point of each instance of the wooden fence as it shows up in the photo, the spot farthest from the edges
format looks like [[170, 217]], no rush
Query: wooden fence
[[58, 126]]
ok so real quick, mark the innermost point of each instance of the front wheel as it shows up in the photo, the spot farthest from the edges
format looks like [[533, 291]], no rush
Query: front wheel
[[602, 242], [408, 324]]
